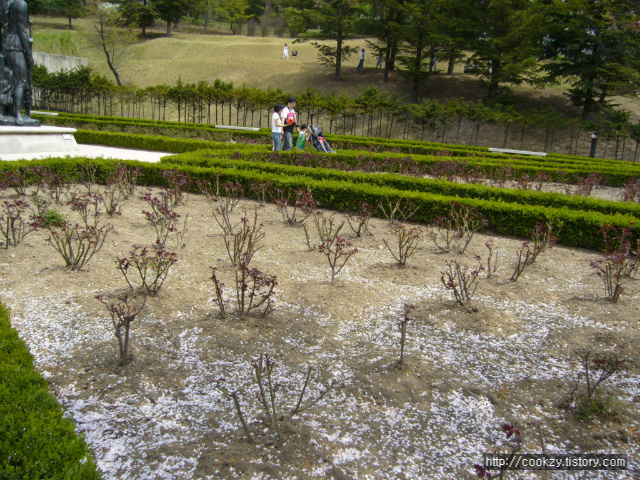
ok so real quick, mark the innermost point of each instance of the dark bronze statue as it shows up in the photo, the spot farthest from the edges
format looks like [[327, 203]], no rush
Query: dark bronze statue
[[16, 64]]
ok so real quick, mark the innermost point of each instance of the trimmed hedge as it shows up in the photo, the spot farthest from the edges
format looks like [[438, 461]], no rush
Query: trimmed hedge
[[611, 176], [358, 143], [156, 143], [405, 182], [580, 227], [36, 441]]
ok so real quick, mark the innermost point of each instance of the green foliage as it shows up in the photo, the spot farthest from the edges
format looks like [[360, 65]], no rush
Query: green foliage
[[233, 12], [252, 160], [591, 49], [35, 440], [597, 405], [170, 11], [328, 55], [580, 227], [53, 218], [60, 42]]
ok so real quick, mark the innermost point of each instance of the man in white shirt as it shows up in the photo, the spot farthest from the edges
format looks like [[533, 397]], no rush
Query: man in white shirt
[[290, 120], [285, 52]]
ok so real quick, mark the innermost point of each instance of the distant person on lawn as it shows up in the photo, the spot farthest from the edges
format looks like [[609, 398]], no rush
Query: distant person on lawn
[[285, 52], [361, 64]]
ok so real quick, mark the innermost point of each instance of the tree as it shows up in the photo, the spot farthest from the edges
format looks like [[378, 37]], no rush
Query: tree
[[506, 42], [234, 12], [418, 41], [170, 11], [387, 22], [588, 43], [71, 9], [615, 125], [138, 13], [457, 31], [337, 20], [108, 34]]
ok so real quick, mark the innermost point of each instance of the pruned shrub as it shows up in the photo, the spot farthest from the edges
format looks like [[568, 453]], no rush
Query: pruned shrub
[[246, 240], [122, 316], [338, 251], [152, 268], [461, 280], [295, 211], [77, 244], [405, 243], [15, 224], [359, 220], [164, 219], [269, 395], [586, 397], [457, 229]]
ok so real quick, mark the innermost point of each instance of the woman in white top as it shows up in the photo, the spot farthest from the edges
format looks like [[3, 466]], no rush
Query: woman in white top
[[276, 126]]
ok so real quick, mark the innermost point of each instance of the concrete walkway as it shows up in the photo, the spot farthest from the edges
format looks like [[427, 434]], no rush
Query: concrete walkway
[[93, 151]]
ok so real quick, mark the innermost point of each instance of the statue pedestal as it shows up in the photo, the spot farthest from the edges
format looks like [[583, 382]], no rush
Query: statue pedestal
[[37, 139]]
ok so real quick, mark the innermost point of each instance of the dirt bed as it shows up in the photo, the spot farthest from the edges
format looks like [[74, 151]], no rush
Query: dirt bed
[[508, 356]]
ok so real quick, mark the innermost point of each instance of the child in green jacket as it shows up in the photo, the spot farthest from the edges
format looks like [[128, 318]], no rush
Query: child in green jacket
[[303, 136]]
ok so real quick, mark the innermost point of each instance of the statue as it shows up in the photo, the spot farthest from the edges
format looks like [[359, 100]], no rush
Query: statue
[[16, 63]]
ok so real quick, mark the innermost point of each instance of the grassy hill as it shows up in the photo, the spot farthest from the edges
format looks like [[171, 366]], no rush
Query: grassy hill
[[193, 56]]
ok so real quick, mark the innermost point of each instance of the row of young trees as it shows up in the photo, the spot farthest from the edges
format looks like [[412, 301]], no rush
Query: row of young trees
[[370, 113], [594, 45]]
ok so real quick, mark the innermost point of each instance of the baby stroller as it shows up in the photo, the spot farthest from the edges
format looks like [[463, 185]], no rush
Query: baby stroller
[[318, 141]]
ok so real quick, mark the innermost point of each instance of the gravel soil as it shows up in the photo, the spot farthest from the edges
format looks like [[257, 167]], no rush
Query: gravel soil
[[510, 355]]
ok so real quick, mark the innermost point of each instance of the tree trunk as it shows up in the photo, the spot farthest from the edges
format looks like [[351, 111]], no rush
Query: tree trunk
[[111, 66], [338, 50], [168, 29], [417, 67], [452, 64], [494, 81], [207, 18]]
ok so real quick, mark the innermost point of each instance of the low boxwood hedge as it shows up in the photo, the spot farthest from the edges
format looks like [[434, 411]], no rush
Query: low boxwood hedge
[[580, 227], [36, 441], [404, 182], [611, 176], [157, 143]]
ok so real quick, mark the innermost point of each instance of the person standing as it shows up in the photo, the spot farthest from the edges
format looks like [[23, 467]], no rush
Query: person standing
[[276, 126], [361, 64], [285, 52], [289, 120], [379, 62]]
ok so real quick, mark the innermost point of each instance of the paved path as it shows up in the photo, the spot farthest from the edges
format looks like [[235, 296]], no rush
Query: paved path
[[93, 151]]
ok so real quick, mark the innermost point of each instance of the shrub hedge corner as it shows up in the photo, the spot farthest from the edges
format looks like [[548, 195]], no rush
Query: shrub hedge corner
[[36, 441]]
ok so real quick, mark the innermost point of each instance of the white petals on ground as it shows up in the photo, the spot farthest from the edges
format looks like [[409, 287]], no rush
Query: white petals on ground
[[465, 372]]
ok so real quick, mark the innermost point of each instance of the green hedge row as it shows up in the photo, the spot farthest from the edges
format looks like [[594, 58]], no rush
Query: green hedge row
[[487, 167], [348, 142], [130, 125], [611, 177], [580, 227], [345, 141], [342, 142], [207, 159], [156, 143], [36, 441]]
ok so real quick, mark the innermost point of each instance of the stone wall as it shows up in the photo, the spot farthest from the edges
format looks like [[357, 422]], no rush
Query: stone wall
[[58, 63]]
